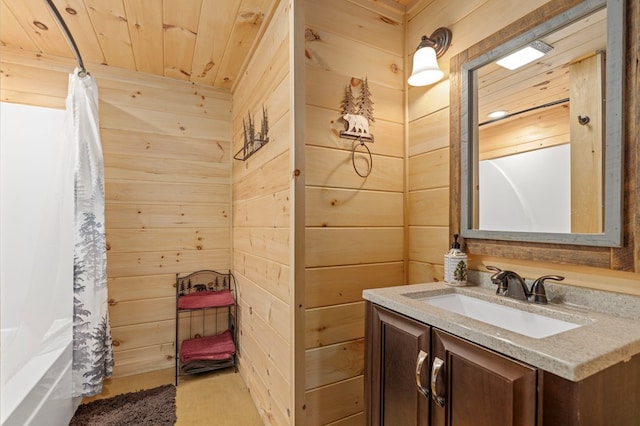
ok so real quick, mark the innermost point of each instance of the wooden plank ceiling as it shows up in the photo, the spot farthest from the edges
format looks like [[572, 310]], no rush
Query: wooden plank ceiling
[[546, 79], [202, 41]]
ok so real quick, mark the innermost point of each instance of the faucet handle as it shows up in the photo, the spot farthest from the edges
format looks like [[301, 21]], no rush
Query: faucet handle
[[499, 281], [537, 288]]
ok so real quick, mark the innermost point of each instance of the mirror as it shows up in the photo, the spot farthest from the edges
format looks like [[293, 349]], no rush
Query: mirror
[[550, 169]]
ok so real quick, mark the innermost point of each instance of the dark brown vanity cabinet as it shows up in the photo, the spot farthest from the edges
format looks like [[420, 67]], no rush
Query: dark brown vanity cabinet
[[476, 386], [391, 394], [416, 374], [419, 375]]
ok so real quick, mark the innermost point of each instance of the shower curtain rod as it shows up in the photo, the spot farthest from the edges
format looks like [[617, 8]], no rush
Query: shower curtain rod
[[72, 43], [548, 104]]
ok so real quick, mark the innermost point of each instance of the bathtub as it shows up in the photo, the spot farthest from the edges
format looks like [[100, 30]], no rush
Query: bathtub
[[37, 391], [36, 278]]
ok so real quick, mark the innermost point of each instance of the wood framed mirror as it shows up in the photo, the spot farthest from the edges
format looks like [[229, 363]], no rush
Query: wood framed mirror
[[580, 247]]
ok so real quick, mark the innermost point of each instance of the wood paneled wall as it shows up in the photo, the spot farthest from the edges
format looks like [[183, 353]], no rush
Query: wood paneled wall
[[262, 235], [166, 147], [428, 111], [428, 163], [354, 225], [171, 193]]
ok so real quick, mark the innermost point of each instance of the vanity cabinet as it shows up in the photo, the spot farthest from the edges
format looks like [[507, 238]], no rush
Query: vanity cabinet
[[408, 362], [395, 342], [475, 386], [470, 385]]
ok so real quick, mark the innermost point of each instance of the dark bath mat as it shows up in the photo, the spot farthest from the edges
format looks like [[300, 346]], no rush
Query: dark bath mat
[[155, 407]]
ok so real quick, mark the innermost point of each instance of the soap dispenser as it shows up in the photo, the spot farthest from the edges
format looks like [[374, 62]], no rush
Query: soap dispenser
[[455, 265]]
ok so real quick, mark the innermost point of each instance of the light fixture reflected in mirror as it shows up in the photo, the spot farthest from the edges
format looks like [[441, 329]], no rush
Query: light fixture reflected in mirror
[[425, 63], [535, 50], [497, 114]]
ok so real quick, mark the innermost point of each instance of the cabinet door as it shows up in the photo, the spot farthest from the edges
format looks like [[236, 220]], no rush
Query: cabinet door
[[395, 343], [479, 387]]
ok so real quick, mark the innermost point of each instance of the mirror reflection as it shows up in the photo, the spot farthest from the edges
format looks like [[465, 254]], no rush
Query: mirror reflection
[[539, 123], [550, 169]]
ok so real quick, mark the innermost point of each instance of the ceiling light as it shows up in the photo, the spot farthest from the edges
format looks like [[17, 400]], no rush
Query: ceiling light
[[425, 63], [529, 53], [497, 114]]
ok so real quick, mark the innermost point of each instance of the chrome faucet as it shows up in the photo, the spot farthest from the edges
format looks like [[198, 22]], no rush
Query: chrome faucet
[[510, 284]]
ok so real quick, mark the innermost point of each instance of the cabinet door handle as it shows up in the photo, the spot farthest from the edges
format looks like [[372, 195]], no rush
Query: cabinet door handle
[[422, 357], [435, 376]]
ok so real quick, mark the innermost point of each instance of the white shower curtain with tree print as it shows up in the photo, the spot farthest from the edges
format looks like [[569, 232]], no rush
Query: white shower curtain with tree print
[[92, 352]]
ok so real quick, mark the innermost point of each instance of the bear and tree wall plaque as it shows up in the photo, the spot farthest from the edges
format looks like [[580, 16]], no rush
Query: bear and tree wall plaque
[[357, 112]]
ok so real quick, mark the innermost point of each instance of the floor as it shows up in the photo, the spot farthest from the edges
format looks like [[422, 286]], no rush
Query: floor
[[218, 398]]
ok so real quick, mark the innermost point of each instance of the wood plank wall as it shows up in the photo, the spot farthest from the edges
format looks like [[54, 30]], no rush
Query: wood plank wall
[[428, 145], [428, 152], [167, 153], [261, 224], [166, 147], [354, 225]]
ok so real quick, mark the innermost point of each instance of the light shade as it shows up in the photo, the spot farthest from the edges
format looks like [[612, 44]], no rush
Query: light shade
[[425, 60], [425, 67]]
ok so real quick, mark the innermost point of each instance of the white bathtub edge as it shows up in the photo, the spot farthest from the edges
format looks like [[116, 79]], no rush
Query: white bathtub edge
[[49, 401]]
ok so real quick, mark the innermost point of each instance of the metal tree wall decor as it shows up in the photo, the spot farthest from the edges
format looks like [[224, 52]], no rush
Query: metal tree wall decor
[[357, 113], [252, 141]]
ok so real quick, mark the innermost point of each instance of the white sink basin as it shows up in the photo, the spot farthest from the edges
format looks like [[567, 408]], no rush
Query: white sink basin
[[516, 320]]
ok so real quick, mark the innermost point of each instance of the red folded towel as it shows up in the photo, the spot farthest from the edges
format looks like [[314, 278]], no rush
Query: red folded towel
[[208, 348], [206, 299]]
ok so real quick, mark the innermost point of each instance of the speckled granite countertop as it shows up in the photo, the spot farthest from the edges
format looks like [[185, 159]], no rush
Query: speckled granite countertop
[[610, 331]]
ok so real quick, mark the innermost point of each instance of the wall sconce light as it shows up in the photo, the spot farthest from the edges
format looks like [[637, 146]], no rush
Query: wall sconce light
[[425, 63]]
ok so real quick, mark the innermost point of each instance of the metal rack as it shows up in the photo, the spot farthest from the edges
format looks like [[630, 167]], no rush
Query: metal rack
[[203, 293]]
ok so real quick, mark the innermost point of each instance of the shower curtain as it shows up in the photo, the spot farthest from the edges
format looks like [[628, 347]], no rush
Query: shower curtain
[[92, 352]]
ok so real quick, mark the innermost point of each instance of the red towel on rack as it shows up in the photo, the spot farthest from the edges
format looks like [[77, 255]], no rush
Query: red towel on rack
[[206, 299], [208, 348]]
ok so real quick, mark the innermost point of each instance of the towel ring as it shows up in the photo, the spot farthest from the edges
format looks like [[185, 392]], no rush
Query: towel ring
[[353, 158]]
